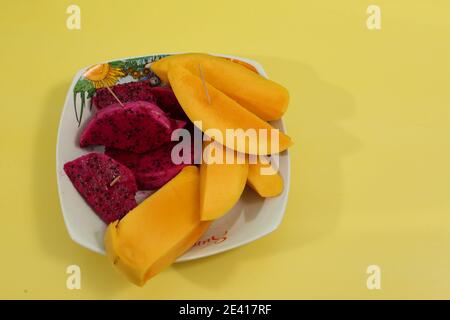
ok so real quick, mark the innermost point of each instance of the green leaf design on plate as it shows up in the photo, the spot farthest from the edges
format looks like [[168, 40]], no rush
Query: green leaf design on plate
[[85, 89]]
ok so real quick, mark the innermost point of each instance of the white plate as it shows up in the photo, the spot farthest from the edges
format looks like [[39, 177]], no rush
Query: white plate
[[251, 218]]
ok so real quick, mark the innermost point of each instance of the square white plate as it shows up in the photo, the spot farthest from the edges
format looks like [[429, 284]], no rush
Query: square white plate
[[251, 218]]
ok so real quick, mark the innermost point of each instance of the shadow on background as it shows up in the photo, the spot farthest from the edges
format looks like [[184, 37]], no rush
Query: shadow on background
[[313, 121], [96, 271]]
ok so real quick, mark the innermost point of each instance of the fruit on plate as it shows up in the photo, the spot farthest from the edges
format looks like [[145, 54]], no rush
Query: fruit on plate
[[151, 237], [218, 112], [266, 181], [152, 169], [265, 98], [229, 102], [137, 127], [126, 92], [107, 186], [221, 183]]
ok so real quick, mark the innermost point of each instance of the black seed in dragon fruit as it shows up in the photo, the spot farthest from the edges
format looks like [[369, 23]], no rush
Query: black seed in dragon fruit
[[152, 169], [107, 186], [136, 126]]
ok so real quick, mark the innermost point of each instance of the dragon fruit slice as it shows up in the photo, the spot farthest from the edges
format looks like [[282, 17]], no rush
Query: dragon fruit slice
[[126, 92], [141, 91], [107, 186], [165, 98], [152, 169], [137, 127]]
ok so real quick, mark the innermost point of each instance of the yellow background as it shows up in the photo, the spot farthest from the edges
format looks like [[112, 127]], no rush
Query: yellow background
[[369, 113]]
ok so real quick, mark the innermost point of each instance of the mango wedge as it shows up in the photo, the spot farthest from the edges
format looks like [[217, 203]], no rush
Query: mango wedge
[[221, 184], [218, 112], [263, 97], [266, 185], [165, 225]]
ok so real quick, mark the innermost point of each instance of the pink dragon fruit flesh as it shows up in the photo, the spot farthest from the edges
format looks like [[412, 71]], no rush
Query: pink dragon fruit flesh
[[126, 92], [107, 186], [141, 91], [152, 169], [137, 127], [165, 98]]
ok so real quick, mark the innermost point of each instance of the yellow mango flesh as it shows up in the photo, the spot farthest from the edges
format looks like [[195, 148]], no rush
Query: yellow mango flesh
[[165, 225], [221, 184], [220, 112], [266, 185], [263, 97]]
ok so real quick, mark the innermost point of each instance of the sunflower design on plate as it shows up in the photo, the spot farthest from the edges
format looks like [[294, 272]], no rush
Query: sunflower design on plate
[[103, 75]]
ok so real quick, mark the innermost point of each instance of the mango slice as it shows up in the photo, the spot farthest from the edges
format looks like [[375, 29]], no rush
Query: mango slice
[[266, 185], [263, 97], [218, 112], [151, 236], [221, 184]]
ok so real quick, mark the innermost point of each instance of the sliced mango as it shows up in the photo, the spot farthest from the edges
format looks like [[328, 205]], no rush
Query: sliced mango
[[216, 111], [265, 98], [151, 236], [267, 183], [221, 184]]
